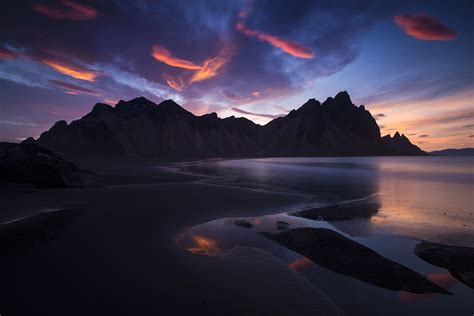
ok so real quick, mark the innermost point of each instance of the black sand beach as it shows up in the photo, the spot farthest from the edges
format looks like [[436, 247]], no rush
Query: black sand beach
[[117, 253]]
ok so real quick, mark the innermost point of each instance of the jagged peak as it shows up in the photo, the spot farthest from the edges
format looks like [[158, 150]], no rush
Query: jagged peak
[[60, 124], [101, 107], [343, 95]]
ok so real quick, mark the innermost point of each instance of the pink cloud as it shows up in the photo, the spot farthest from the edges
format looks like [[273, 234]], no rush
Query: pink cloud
[[67, 10], [424, 27]]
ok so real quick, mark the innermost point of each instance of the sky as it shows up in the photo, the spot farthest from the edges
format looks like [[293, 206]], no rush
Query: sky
[[409, 62]]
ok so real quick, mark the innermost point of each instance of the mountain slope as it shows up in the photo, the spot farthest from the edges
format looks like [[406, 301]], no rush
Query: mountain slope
[[454, 152], [140, 127]]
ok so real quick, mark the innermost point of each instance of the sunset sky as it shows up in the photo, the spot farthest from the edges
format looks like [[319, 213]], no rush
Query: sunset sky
[[409, 62]]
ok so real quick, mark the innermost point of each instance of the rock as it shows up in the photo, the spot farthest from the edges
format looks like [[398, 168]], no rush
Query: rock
[[30, 163], [243, 223], [459, 261], [345, 256], [281, 225], [401, 145], [340, 212]]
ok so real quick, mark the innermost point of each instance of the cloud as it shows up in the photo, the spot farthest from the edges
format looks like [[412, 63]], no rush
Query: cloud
[[70, 69], [6, 54], [469, 126], [380, 115], [424, 27], [177, 83], [424, 136], [471, 136], [293, 48], [162, 54], [76, 88], [67, 10], [272, 116], [210, 68]]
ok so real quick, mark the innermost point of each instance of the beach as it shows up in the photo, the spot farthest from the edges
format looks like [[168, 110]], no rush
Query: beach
[[115, 248]]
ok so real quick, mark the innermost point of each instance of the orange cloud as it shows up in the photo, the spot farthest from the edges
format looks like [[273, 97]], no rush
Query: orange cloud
[[75, 71], [293, 48], [6, 54], [424, 27], [176, 83], [162, 54], [67, 10], [210, 68]]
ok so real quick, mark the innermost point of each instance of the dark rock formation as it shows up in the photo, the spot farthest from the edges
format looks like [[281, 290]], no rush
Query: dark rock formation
[[243, 223], [459, 261], [281, 225], [30, 163], [362, 209], [343, 255], [142, 128], [454, 152], [400, 145]]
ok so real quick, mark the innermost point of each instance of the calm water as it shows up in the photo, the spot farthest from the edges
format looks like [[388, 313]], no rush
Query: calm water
[[421, 198]]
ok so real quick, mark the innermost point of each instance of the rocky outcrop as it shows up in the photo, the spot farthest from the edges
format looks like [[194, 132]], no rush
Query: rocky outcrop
[[30, 163], [459, 261], [359, 209], [140, 127], [400, 145], [345, 256]]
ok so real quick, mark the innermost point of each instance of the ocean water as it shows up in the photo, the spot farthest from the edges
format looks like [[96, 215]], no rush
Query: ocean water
[[419, 199]]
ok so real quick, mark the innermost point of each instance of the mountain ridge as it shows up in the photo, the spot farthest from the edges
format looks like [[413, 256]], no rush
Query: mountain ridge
[[140, 127]]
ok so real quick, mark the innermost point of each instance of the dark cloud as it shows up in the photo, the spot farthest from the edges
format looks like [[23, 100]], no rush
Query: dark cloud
[[424, 136], [272, 116], [66, 10], [471, 136], [73, 87], [6, 54], [424, 27]]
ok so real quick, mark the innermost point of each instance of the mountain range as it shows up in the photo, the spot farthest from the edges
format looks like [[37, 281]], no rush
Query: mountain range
[[140, 127]]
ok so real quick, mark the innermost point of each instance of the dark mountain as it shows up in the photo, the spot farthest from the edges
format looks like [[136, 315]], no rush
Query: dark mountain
[[400, 145], [140, 127], [454, 152]]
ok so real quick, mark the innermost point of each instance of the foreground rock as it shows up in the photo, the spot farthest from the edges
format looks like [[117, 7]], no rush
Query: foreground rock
[[30, 163], [340, 212], [459, 261], [343, 255], [243, 223]]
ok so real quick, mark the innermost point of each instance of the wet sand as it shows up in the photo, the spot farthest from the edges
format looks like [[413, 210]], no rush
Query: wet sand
[[118, 254]]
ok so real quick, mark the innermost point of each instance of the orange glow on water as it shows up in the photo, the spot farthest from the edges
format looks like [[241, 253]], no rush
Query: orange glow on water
[[204, 246], [444, 279], [300, 264]]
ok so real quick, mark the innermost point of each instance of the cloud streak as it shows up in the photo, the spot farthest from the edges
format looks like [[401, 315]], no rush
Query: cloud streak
[[72, 70], [6, 54], [272, 116], [424, 27], [292, 48], [163, 55], [67, 10], [74, 87]]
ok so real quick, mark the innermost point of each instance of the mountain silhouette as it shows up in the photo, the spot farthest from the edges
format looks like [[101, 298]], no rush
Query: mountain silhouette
[[140, 127]]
